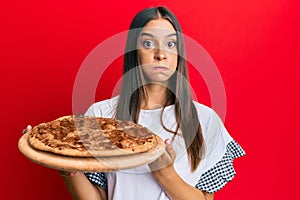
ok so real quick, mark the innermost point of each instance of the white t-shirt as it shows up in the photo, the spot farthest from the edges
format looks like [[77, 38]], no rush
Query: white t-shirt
[[138, 183]]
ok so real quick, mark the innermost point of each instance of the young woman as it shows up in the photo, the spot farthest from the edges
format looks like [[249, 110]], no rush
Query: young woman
[[156, 93]]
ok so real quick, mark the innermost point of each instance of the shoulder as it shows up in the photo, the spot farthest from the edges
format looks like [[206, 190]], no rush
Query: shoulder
[[206, 114], [213, 129], [104, 108], [203, 109]]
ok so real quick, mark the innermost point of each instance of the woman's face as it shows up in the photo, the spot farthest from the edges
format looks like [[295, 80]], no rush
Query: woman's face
[[157, 51]]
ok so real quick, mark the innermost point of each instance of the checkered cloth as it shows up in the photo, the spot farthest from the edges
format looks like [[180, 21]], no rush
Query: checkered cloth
[[97, 178], [222, 172], [211, 181]]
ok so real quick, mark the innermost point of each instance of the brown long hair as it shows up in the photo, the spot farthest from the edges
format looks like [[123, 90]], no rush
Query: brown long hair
[[133, 91]]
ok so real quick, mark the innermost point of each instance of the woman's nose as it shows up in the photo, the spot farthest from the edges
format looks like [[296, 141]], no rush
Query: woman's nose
[[160, 54]]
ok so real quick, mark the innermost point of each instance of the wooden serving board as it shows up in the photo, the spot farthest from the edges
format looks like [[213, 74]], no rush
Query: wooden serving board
[[99, 164]]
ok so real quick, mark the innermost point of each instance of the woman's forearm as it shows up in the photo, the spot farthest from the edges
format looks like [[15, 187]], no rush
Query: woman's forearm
[[81, 188], [176, 188]]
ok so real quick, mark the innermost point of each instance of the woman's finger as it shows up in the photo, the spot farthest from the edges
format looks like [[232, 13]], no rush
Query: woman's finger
[[171, 152], [167, 141], [28, 128]]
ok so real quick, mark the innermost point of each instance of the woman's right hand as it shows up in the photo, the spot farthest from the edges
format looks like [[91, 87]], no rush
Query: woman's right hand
[[27, 129], [166, 159]]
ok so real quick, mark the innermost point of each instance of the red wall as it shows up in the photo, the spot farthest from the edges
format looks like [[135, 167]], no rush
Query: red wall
[[255, 45]]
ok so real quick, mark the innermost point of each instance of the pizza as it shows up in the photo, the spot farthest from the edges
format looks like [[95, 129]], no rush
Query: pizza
[[86, 136]]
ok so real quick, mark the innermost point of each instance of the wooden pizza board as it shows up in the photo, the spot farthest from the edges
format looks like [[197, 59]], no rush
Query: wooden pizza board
[[99, 164]]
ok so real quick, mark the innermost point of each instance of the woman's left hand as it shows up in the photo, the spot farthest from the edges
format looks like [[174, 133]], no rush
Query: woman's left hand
[[166, 159]]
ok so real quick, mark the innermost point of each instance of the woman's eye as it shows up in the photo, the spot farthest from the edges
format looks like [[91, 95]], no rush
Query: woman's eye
[[148, 44], [171, 44]]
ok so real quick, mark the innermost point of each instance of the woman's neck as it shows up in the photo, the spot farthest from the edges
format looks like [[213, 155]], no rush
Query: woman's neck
[[156, 97]]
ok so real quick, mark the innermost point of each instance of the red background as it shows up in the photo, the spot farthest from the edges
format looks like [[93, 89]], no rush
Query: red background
[[255, 45]]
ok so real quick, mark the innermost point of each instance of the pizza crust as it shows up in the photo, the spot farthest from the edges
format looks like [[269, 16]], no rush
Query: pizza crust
[[82, 136], [88, 164]]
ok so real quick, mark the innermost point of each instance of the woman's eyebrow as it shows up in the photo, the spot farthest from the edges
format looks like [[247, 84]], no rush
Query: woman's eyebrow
[[151, 35], [171, 35], [147, 34]]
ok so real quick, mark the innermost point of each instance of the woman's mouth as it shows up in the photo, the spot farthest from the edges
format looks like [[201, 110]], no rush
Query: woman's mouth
[[160, 68]]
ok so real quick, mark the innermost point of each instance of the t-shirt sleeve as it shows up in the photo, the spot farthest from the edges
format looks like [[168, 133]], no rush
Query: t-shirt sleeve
[[97, 178], [220, 151], [94, 110], [223, 171], [105, 108]]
